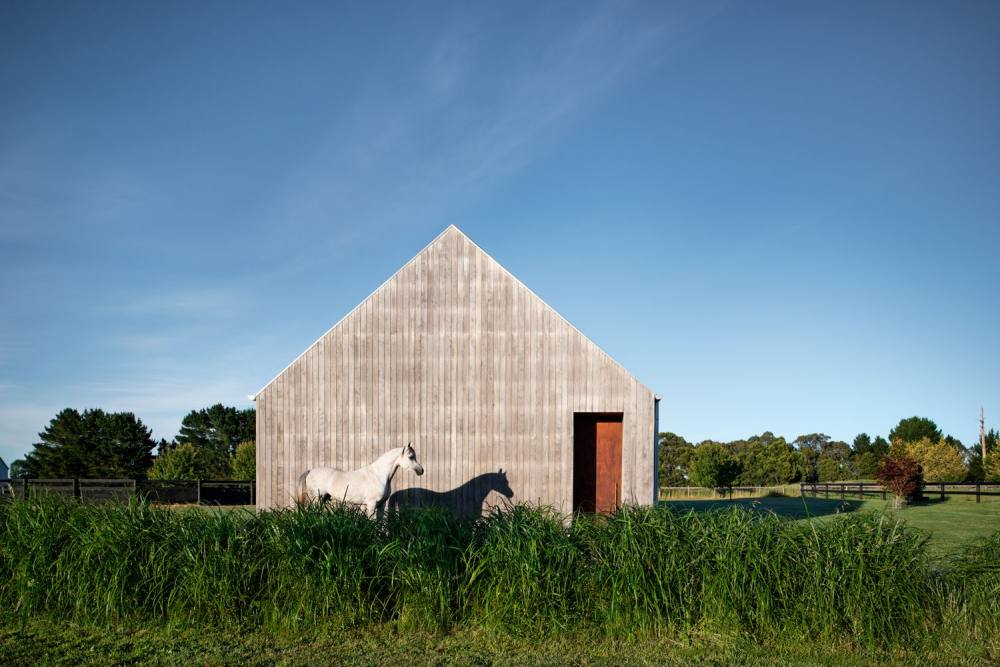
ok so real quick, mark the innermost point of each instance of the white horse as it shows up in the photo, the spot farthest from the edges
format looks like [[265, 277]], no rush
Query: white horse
[[368, 486]]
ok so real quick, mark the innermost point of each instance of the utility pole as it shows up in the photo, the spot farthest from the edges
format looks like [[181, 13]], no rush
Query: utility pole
[[982, 435]]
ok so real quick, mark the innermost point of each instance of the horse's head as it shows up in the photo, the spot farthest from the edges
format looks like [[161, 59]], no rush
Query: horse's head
[[408, 459]]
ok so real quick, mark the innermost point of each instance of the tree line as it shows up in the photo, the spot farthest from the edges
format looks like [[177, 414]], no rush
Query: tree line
[[770, 460], [213, 443], [218, 443]]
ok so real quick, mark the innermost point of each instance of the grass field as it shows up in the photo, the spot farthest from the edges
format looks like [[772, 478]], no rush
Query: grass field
[[791, 581], [949, 524], [50, 643], [671, 493]]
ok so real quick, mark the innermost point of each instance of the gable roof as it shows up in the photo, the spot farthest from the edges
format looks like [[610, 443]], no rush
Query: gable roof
[[451, 229]]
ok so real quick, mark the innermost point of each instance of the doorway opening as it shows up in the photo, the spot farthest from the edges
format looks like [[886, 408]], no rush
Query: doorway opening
[[597, 461]]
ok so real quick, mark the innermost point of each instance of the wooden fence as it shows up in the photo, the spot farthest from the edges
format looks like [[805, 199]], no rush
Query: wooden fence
[[873, 489], [176, 491], [724, 492]]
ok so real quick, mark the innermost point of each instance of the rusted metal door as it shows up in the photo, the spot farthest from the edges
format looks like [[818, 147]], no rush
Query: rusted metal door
[[607, 487], [597, 462]]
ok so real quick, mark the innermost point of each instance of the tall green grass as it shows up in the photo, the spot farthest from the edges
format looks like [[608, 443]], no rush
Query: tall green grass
[[970, 588], [862, 578]]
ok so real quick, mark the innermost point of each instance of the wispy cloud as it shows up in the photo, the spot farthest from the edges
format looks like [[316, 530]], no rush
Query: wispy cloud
[[148, 342], [461, 126], [159, 396], [163, 401], [160, 404], [193, 301], [44, 195], [158, 378], [449, 62]]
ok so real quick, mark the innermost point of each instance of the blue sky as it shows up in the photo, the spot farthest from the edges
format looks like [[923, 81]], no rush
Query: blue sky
[[793, 211]]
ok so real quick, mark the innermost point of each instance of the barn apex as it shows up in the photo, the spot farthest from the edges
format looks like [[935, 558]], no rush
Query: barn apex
[[501, 397]]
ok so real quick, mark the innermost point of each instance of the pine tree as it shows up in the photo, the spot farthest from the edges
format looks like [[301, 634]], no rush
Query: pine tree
[[92, 444], [218, 429]]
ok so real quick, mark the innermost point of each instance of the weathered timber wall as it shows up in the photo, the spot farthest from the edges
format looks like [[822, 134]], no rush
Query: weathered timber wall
[[456, 355]]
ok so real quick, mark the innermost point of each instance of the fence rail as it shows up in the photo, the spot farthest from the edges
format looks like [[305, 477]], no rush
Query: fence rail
[[175, 491], [866, 489]]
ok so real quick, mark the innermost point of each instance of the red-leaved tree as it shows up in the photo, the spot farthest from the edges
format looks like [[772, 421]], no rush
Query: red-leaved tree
[[902, 476]]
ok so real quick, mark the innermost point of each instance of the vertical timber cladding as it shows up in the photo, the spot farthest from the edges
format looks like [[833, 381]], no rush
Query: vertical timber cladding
[[456, 355]]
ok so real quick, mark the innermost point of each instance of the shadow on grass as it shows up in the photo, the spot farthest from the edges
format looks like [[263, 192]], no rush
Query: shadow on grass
[[791, 508]]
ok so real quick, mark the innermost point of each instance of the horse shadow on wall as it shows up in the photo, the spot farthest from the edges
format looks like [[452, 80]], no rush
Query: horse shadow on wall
[[468, 500]]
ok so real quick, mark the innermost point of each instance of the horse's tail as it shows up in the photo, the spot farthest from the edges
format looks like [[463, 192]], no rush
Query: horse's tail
[[301, 491]]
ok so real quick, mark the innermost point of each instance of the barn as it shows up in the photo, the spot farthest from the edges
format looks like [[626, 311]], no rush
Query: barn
[[503, 399]]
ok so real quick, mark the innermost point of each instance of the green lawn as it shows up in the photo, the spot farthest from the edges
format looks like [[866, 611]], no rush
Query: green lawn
[[48, 643], [949, 523]]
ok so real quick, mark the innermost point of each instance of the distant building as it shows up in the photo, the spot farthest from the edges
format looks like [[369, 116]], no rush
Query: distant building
[[4, 471]]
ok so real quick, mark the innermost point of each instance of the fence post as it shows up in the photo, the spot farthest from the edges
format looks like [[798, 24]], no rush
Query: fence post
[[842, 491], [253, 492], [977, 492], [942, 490], [826, 487], [199, 492], [883, 493], [24, 488], [76, 488]]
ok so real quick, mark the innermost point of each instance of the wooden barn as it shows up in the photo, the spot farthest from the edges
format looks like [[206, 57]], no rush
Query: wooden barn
[[502, 398]]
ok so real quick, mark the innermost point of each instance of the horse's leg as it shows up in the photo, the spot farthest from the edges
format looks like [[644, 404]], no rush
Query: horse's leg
[[372, 506]]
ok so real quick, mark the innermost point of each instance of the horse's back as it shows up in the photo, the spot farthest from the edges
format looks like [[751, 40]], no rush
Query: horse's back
[[336, 484]]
